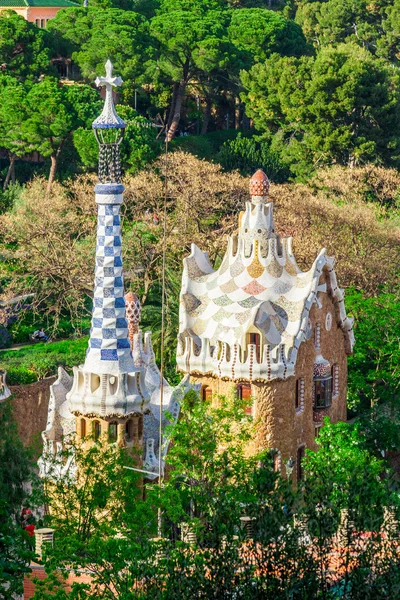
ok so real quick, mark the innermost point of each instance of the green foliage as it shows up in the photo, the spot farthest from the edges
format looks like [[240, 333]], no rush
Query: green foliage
[[24, 49], [90, 36], [374, 373], [343, 474], [247, 155], [342, 106], [55, 111], [374, 376], [203, 146], [30, 363], [9, 196], [16, 472], [371, 25], [259, 32], [28, 322], [106, 525]]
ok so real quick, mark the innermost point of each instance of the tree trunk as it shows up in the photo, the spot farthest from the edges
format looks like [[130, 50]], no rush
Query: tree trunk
[[177, 111], [237, 112], [10, 172], [206, 116], [173, 103], [53, 169]]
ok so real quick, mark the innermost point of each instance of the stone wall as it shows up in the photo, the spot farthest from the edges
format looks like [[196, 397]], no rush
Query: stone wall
[[280, 424], [30, 405]]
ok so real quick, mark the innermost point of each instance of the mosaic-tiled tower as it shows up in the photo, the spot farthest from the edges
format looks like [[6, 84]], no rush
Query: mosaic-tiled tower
[[108, 384]]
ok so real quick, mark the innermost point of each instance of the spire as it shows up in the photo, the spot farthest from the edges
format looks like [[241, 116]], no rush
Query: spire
[[109, 348], [259, 187]]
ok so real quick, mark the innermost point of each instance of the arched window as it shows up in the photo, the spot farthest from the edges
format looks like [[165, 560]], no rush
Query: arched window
[[322, 392], [243, 391], [96, 430], [112, 431], [300, 456], [254, 338], [140, 427], [83, 428], [129, 430], [206, 393]]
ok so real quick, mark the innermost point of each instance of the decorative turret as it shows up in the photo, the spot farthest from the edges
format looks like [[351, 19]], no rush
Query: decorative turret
[[109, 383], [256, 224]]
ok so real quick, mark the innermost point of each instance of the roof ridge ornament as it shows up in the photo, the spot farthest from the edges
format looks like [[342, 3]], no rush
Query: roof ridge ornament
[[259, 187]]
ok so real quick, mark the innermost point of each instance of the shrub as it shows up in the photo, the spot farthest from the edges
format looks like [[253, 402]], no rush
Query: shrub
[[247, 155], [9, 196]]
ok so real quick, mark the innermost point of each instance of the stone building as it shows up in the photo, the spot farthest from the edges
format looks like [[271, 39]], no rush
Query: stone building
[[118, 394], [261, 327], [36, 11]]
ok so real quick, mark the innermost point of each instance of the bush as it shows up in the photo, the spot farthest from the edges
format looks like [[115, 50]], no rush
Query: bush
[[247, 155], [204, 146], [9, 196]]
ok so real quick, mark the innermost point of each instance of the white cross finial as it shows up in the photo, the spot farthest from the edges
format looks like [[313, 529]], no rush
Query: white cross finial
[[108, 81], [108, 118]]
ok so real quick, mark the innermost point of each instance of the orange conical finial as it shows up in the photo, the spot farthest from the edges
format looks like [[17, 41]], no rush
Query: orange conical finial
[[133, 314], [259, 184]]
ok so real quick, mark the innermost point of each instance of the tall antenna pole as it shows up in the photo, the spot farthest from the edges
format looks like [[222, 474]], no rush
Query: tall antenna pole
[[162, 326]]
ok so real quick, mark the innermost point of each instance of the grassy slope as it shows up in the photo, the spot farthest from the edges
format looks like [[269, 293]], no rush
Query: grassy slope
[[30, 363]]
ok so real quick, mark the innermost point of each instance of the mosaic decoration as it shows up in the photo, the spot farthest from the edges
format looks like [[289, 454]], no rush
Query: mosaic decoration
[[259, 184], [133, 314], [322, 368], [264, 292], [109, 349]]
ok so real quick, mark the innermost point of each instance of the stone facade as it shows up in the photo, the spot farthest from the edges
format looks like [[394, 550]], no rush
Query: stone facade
[[30, 409]]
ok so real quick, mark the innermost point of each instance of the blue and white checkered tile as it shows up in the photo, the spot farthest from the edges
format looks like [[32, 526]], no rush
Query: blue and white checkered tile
[[109, 348]]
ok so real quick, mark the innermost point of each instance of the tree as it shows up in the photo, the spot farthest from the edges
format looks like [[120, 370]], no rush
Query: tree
[[54, 245], [343, 474], [191, 43], [343, 106], [260, 32], [91, 36], [25, 50], [371, 26], [54, 112], [12, 118]]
